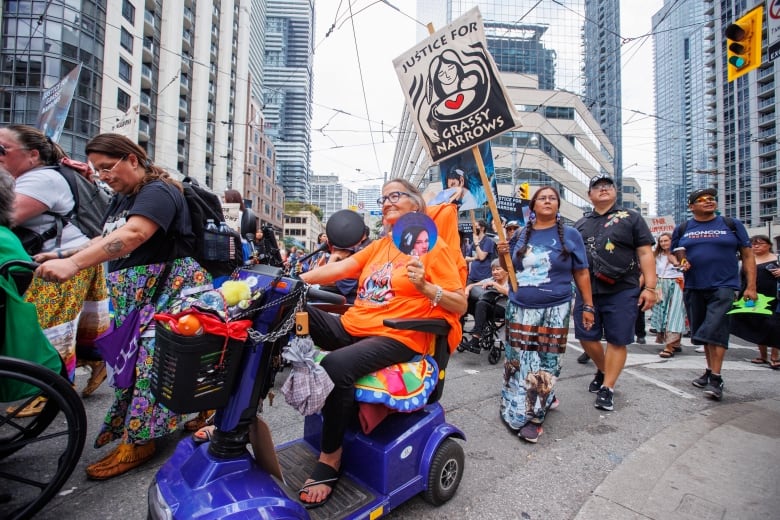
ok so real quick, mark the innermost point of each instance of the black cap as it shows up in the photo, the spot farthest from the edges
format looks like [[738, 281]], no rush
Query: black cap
[[698, 193], [600, 178], [512, 224]]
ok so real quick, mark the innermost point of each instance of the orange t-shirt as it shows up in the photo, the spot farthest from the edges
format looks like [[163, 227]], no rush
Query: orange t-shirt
[[446, 218], [384, 291]]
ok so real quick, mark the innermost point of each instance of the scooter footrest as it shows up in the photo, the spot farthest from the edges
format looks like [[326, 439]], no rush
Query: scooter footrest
[[297, 462]]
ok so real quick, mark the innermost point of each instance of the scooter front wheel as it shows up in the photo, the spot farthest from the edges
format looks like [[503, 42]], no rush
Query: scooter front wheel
[[445, 473]]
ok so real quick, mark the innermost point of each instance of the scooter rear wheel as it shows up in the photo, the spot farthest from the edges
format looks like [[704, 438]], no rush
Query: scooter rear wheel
[[445, 473]]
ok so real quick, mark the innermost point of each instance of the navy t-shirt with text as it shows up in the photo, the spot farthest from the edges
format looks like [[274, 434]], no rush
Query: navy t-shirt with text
[[711, 248]]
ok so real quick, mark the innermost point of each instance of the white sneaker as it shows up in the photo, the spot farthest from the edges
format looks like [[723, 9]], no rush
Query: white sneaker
[[700, 349]]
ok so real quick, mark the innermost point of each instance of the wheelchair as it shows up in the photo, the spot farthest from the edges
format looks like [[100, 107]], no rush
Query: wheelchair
[[492, 339], [39, 453]]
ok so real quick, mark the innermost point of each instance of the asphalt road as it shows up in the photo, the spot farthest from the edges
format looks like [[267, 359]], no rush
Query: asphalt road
[[505, 477]]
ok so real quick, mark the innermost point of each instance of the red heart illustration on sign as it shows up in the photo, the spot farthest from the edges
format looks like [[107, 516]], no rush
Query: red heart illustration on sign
[[454, 104]]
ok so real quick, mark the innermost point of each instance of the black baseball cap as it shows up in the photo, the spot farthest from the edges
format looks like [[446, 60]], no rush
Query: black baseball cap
[[698, 193], [600, 178]]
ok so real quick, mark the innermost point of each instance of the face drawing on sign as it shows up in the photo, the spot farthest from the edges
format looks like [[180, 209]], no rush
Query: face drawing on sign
[[456, 88]]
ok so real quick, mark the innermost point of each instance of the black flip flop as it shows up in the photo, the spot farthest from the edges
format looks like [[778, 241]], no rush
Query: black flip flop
[[774, 365], [207, 432], [322, 474]]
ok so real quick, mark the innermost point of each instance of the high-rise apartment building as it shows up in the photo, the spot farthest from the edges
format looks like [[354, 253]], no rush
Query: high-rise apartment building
[[186, 76], [685, 100], [287, 90], [711, 131], [330, 195]]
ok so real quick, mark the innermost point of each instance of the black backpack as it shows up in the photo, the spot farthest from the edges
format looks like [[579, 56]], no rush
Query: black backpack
[[728, 220], [219, 252], [90, 202]]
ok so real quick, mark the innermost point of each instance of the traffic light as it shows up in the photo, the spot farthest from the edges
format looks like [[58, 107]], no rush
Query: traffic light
[[524, 191], [743, 43]]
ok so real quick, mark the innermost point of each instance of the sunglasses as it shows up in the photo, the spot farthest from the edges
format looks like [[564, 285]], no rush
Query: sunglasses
[[701, 200], [4, 151]]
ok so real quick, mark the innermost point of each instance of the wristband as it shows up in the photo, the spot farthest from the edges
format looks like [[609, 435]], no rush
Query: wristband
[[589, 308], [59, 254], [437, 297], [645, 288]]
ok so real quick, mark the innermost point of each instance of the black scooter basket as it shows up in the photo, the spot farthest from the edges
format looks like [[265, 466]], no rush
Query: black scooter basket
[[194, 373]]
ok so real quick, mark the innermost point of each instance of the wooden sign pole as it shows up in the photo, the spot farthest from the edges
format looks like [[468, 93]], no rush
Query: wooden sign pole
[[494, 211]]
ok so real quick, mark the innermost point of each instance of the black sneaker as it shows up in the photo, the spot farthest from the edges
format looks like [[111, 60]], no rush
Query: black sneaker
[[641, 340], [604, 399], [702, 381], [714, 388], [474, 346], [530, 432], [584, 358], [653, 331], [598, 380]]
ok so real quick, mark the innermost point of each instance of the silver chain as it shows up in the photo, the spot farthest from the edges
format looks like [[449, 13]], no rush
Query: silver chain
[[285, 327]]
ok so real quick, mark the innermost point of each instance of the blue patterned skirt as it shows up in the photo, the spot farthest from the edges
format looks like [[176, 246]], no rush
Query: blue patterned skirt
[[537, 342]]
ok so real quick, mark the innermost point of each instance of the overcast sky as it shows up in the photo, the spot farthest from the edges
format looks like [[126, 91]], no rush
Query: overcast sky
[[358, 100]]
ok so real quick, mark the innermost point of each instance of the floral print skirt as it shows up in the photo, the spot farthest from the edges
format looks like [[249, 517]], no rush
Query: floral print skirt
[[134, 415], [537, 342], [60, 309]]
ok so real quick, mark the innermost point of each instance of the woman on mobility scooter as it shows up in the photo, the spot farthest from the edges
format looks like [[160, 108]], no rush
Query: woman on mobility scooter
[[391, 285]]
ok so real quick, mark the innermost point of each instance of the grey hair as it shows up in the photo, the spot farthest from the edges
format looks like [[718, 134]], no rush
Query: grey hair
[[7, 196]]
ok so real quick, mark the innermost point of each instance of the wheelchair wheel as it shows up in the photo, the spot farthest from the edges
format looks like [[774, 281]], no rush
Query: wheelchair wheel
[[38, 454], [495, 353]]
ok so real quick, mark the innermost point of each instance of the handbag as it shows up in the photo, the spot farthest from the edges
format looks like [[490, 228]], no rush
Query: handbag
[[606, 272], [118, 346]]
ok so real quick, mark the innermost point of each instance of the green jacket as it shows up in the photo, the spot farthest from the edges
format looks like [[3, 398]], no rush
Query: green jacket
[[23, 337]]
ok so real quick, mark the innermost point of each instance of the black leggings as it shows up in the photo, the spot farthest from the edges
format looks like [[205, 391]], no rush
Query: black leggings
[[350, 359]]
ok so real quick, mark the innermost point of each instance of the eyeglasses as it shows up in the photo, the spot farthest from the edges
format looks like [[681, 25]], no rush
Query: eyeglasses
[[603, 187], [106, 171], [393, 197], [702, 200], [551, 198], [4, 150]]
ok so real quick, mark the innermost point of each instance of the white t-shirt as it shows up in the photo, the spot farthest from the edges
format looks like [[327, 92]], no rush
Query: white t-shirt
[[50, 188]]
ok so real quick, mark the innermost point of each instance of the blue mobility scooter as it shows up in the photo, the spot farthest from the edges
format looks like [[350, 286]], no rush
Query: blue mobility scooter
[[405, 455]]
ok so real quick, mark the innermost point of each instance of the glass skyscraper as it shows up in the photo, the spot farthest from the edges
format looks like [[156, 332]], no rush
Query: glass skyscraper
[[41, 43], [709, 131], [685, 102], [287, 91]]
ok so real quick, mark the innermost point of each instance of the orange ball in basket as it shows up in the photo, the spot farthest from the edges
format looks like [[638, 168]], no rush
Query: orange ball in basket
[[189, 325]]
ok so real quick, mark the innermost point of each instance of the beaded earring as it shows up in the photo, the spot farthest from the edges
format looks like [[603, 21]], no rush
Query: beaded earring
[[558, 217], [532, 216]]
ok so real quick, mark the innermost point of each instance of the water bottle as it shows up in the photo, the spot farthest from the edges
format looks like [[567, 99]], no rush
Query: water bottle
[[227, 232], [211, 241]]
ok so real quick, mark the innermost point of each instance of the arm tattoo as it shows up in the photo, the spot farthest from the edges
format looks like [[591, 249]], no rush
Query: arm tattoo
[[114, 248]]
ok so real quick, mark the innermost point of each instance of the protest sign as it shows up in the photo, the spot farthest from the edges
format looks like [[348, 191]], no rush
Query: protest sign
[[453, 89]]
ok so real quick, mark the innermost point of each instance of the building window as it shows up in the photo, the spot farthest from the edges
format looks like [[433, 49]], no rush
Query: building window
[[128, 11], [122, 100], [126, 39], [125, 70]]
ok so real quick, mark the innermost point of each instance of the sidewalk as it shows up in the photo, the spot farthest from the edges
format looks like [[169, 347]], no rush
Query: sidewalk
[[721, 464]]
